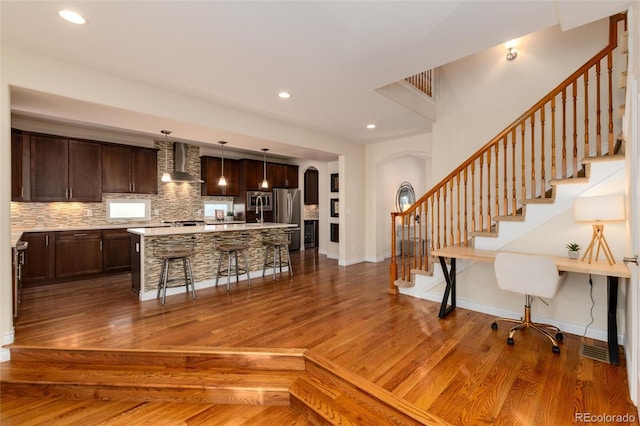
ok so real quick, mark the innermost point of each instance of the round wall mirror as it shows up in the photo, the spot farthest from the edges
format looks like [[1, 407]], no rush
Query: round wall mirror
[[405, 196]]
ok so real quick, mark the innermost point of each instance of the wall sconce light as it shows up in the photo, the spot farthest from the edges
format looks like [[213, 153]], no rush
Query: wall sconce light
[[265, 184], [222, 181], [598, 210], [166, 177], [511, 50]]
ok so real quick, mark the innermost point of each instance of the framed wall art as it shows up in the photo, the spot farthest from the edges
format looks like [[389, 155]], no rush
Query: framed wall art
[[334, 207], [335, 182]]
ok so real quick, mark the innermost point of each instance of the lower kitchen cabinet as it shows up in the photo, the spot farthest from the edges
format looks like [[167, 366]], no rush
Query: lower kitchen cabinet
[[78, 253], [116, 250], [64, 255], [39, 258]]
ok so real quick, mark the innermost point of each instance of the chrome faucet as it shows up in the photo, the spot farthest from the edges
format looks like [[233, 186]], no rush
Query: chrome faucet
[[260, 206]]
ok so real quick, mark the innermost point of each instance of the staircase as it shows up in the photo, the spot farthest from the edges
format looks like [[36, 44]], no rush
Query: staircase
[[553, 152]]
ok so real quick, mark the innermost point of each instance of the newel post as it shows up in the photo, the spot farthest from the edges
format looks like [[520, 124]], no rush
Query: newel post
[[393, 268]]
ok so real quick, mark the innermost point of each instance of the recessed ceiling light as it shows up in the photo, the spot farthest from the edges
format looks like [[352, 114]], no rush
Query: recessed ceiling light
[[72, 16], [284, 95], [371, 126]]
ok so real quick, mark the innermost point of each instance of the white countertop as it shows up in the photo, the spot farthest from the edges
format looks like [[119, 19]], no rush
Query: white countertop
[[221, 227]]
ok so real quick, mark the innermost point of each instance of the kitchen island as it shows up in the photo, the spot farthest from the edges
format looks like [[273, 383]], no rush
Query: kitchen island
[[145, 269]]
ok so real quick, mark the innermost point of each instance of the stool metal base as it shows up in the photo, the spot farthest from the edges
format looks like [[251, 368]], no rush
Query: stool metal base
[[276, 260], [232, 269], [164, 276]]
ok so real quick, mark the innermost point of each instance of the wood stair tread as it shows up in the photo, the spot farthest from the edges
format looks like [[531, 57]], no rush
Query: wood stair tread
[[136, 375]]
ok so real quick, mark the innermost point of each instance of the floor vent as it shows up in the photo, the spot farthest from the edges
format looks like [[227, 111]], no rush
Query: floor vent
[[594, 352]]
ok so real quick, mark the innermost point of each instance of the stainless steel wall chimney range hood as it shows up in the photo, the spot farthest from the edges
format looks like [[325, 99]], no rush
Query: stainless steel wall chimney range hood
[[179, 173]]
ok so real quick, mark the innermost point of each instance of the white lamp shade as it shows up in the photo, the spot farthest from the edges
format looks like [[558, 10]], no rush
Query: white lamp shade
[[596, 209]]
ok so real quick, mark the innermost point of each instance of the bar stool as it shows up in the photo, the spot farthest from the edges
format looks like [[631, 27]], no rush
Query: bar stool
[[172, 250], [231, 246], [273, 247]]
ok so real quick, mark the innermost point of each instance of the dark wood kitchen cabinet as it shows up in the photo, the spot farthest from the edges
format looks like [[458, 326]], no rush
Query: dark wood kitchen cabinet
[[311, 187], [251, 175], [52, 168], [128, 169], [39, 258], [78, 253], [116, 250], [282, 175], [210, 171]]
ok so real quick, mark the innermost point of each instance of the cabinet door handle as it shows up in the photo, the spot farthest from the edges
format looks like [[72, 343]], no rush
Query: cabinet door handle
[[66, 193], [46, 240], [80, 235], [71, 193], [100, 245], [137, 247], [22, 192]]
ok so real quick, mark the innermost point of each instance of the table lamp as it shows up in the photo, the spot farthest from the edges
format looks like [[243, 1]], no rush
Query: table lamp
[[597, 210]]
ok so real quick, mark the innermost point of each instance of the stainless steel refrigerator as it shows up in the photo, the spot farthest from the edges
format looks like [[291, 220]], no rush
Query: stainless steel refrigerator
[[286, 209]]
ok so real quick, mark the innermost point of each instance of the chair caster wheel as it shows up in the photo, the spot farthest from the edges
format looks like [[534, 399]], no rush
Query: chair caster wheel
[[555, 349], [559, 337], [494, 326], [510, 341]]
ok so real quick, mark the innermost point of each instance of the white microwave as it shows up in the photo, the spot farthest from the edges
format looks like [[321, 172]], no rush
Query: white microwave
[[252, 200]]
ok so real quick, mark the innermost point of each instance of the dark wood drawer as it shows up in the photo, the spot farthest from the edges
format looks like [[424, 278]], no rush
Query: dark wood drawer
[[78, 235]]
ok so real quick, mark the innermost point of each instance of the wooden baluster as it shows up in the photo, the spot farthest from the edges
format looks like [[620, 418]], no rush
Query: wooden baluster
[[610, 68], [466, 189], [533, 156], [488, 190], [497, 179], [598, 113], [575, 130], [444, 216], [480, 198], [514, 196], [587, 153], [523, 162], [438, 218], [564, 133], [543, 167], [433, 228], [554, 170], [505, 200], [473, 197], [457, 240]]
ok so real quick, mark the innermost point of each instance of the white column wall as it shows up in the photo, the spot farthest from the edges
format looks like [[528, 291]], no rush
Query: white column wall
[[390, 163]]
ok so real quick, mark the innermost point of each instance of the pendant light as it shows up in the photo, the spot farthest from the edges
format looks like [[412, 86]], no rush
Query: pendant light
[[166, 177], [265, 184], [222, 181]]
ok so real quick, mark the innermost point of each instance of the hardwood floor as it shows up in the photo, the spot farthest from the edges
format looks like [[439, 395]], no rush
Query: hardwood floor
[[457, 369]]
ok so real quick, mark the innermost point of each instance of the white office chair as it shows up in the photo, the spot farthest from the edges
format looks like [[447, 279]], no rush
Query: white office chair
[[533, 276]]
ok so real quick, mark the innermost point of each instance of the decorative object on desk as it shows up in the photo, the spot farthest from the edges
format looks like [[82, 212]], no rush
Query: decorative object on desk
[[574, 250], [335, 183], [405, 196], [334, 232], [597, 210], [334, 207], [229, 217], [219, 215]]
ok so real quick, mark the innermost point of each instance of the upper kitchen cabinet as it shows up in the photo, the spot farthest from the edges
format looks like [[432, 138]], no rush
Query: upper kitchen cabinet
[[129, 169], [251, 175], [211, 170], [311, 186], [51, 168], [282, 175]]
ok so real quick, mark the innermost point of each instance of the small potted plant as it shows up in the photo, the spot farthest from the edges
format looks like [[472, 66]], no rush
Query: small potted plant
[[229, 217], [574, 250]]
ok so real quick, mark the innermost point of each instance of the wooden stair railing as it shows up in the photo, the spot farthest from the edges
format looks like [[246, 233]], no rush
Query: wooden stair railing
[[422, 81], [547, 142]]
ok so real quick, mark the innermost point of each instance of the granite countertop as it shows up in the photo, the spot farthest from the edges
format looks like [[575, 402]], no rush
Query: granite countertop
[[222, 227]]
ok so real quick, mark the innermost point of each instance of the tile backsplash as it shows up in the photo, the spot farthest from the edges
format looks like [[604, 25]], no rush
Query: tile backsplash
[[174, 201]]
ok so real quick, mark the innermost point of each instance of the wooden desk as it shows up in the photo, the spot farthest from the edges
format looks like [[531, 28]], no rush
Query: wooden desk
[[612, 272]]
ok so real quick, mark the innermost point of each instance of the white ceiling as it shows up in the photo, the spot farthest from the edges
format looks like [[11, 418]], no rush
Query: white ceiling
[[331, 55]]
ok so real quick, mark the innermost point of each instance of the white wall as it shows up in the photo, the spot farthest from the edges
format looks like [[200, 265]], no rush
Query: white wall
[[390, 163], [482, 94]]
